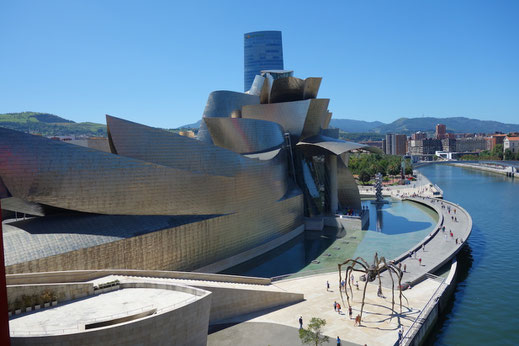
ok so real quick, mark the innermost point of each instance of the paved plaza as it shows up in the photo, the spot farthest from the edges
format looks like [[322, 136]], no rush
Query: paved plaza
[[72, 316]]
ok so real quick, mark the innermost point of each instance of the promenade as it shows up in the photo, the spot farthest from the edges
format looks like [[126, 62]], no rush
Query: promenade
[[380, 324], [421, 187]]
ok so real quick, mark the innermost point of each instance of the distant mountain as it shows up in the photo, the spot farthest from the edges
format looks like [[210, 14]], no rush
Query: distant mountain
[[50, 125], [350, 125], [427, 124], [191, 126], [456, 124]]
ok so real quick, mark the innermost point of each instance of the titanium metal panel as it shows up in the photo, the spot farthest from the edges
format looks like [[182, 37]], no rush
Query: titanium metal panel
[[316, 113], [326, 120], [257, 85], [245, 136], [165, 148], [348, 192], [290, 115], [169, 149], [223, 103], [71, 177], [332, 145], [294, 89]]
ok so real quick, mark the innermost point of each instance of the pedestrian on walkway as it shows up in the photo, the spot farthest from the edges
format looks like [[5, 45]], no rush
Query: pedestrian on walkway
[[350, 312], [420, 260], [423, 247], [338, 308], [338, 341], [399, 336], [335, 306], [301, 322], [405, 267], [357, 320], [327, 285]]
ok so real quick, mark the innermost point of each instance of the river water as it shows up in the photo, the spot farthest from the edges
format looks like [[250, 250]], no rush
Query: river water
[[484, 309]]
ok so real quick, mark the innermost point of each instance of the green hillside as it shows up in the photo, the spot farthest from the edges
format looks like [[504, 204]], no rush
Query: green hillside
[[50, 125]]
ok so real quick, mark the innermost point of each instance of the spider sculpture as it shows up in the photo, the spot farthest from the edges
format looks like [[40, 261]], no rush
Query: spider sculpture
[[371, 272]]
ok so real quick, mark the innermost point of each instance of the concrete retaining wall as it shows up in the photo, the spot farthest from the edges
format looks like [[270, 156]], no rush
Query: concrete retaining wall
[[186, 325], [418, 334], [87, 275], [229, 304]]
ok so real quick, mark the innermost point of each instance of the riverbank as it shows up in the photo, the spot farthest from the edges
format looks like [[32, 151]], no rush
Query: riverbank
[[509, 171]]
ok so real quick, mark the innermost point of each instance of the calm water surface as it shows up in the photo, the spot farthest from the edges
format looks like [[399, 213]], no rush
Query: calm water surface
[[484, 310]]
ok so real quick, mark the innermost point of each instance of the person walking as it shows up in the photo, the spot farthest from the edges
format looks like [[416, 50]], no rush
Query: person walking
[[327, 285], [335, 306], [420, 260], [301, 322], [338, 308], [405, 267], [350, 312], [338, 341]]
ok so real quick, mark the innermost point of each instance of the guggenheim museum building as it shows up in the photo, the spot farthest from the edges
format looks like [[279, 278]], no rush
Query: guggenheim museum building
[[263, 161]]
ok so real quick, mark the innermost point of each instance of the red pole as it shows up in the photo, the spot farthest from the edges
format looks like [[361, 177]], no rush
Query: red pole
[[4, 317]]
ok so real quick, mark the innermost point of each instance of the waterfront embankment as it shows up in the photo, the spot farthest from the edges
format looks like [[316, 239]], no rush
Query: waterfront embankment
[[508, 170]]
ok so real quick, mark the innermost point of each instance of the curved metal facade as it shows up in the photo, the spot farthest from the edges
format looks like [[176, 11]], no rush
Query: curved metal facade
[[292, 116], [245, 136], [71, 177], [348, 192], [294, 89], [222, 104]]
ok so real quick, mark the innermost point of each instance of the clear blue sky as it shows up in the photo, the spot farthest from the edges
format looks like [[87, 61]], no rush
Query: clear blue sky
[[155, 62]]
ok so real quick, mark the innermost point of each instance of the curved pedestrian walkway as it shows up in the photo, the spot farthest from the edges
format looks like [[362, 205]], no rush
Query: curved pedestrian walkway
[[437, 248]]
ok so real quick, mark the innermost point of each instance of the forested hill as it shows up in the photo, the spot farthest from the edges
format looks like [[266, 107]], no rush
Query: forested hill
[[427, 124], [50, 125]]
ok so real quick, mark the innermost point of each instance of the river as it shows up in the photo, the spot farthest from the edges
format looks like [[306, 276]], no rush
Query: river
[[484, 307]]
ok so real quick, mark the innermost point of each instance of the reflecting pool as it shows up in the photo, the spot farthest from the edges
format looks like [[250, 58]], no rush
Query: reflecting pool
[[394, 228]]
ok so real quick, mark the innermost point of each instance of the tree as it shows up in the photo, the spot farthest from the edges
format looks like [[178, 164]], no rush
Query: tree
[[313, 335], [364, 176], [509, 155]]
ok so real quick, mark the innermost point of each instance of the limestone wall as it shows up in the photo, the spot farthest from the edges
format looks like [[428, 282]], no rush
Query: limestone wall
[[185, 247]]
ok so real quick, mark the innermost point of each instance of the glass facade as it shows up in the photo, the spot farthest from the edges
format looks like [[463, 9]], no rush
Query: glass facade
[[263, 50]]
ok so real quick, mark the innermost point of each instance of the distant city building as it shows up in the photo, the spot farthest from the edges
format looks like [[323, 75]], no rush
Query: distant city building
[[428, 146], [399, 145], [263, 50], [441, 130], [389, 144], [419, 135], [395, 144], [474, 144], [511, 143], [449, 144], [494, 140], [376, 144]]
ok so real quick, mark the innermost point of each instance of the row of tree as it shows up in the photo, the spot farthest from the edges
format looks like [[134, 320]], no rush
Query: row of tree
[[495, 154], [367, 165]]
